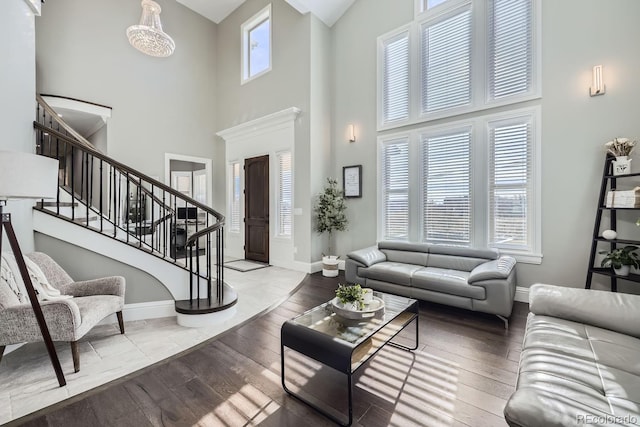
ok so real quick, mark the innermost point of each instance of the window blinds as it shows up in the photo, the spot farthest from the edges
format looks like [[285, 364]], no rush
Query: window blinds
[[395, 82], [510, 48], [446, 172], [446, 62], [395, 188], [285, 194], [510, 183]]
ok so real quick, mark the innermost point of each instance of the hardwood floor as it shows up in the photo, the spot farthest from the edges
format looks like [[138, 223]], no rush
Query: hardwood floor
[[461, 375]]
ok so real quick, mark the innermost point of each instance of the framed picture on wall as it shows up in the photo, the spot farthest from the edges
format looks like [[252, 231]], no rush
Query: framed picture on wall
[[352, 181]]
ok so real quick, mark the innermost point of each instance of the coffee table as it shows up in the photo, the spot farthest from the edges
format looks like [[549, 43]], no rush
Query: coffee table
[[343, 344]]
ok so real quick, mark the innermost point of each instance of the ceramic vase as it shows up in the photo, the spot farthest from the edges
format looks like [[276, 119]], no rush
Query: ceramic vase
[[621, 165]]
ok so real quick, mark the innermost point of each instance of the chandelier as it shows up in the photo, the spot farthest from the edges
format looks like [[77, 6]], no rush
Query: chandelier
[[148, 36]]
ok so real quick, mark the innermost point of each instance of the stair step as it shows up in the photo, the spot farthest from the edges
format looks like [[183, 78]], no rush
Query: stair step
[[54, 204], [85, 219]]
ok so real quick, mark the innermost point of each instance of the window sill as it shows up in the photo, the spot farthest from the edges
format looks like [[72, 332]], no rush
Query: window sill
[[524, 258]]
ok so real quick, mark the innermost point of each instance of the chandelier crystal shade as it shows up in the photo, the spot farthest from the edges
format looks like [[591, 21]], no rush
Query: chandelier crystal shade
[[148, 36]]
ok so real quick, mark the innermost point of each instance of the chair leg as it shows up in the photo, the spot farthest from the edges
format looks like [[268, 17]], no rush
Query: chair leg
[[120, 321], [2, 347], [76, 356]]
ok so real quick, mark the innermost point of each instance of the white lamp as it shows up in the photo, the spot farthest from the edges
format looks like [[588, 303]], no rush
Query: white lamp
[[28, 176], [597, 86], [352, 133]]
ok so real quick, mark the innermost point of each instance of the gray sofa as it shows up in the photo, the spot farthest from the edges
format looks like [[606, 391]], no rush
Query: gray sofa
[[580, 362], [475, 279]]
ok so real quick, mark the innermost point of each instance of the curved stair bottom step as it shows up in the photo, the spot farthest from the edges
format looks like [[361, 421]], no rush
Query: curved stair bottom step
[[199, 313]]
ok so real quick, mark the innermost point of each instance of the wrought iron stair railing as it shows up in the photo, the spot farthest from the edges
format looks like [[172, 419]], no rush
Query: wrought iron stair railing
[[108, 197]]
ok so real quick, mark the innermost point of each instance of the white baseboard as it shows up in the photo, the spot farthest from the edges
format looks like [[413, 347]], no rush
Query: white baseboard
[[144, 310], [522, 294]]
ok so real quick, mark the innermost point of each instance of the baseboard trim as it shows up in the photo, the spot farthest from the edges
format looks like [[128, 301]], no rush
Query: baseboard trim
[[144, 310], [522, 294]]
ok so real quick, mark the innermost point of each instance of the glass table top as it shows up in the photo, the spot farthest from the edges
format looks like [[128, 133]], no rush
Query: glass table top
[[323, 319]]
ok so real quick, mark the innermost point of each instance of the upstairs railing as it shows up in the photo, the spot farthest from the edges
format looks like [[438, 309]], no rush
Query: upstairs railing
[[106, 196]]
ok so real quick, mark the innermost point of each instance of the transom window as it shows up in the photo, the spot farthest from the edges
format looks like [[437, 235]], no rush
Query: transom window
[[256, 45], [458, 56]]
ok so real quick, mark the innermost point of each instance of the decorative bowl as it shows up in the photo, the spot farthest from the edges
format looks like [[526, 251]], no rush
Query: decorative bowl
[[370, 309]]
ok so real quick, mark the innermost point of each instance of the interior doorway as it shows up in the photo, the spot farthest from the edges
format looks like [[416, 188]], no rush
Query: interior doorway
[[190, 175], [256, 178]]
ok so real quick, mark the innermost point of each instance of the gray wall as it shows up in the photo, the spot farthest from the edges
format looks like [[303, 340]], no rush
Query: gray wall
[[159, 104], [576, 35], [320, 99], [82, 264]]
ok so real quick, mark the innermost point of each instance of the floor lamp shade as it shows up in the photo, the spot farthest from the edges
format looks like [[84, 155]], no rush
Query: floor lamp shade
[[27, 176]]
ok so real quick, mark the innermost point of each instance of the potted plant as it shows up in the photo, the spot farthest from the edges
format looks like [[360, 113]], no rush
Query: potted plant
[[351, 297], [621, 259], [330, 217], [621, 148]]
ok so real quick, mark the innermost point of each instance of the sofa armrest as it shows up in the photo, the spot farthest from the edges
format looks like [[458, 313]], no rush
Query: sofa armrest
[[114, 285], [497, 269], [19, 322], [368, 256], [609, 310]]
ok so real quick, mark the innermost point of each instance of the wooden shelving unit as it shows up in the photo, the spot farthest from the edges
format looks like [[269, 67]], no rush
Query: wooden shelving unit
[[609, 183]]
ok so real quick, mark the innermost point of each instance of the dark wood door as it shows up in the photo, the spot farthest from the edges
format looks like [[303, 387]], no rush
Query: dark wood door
[[256, 221]]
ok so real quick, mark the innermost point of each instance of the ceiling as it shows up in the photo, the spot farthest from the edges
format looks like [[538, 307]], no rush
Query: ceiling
[[328, 11]]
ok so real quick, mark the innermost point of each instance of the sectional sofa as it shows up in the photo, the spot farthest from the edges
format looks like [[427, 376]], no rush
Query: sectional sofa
[[475, 279]]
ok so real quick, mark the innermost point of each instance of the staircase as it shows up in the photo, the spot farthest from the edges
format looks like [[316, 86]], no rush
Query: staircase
[[135, 215]]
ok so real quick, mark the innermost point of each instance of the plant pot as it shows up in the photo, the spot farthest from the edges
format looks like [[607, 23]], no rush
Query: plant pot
[[622, 271], [330, 266], [353, 306], [621, 165]]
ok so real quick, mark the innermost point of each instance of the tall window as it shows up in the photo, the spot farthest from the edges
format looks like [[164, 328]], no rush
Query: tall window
[[235, 192], [451, 194], [256, 45], [395, 89], [395, 188], [446, 177], [510, 48], [472, 55], [285, 194], [446, 62], [510, 182]]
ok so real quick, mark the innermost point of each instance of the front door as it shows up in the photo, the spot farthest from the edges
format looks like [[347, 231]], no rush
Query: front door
[[256, 221]]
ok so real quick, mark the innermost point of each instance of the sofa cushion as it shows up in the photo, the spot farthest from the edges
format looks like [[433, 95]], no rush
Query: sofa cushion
[[570, 372], [404, 246], [394, 272], [453, 282], [497, 269], [409, 253], [459, 258], [367, 256]]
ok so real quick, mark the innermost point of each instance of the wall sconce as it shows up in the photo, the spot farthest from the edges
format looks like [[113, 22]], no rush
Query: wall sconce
[[352, 133], [597, 86]]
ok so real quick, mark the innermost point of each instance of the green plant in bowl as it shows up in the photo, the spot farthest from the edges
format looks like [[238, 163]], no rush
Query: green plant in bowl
[[351, 294], [621, 259]]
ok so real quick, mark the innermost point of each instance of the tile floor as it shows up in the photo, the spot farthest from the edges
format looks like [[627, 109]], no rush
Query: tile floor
[[27, 380]]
